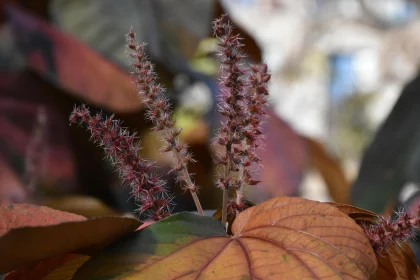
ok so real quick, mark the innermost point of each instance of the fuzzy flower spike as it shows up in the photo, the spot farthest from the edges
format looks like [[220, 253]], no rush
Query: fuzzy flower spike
[[158, 111], [242, 100], [123, 151]]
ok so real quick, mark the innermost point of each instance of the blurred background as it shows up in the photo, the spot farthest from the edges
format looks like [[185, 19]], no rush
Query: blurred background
[[344, 116]]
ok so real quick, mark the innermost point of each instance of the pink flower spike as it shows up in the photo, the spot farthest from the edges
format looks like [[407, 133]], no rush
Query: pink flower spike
[[122, 148], [242, 101], [158, 111]]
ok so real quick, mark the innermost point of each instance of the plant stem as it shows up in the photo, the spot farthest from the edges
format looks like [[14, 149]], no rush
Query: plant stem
[[241, 176], [158, 111], [224, 206], [197, 203], [228, 168], [187, 178], [240, 191]]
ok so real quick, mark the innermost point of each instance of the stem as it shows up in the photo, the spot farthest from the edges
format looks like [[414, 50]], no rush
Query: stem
[[184, 171], [240, 191], [187, 178], [197, 203], [224, 206], [226, 175]]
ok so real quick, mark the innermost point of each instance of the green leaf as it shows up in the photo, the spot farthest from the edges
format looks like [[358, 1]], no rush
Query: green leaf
[[153, 243]]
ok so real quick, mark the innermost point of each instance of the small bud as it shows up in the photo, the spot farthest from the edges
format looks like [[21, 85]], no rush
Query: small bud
[[131, 34]]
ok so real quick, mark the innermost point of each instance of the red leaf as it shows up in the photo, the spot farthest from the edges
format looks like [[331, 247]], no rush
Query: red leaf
[[72, 65], [18, 112]]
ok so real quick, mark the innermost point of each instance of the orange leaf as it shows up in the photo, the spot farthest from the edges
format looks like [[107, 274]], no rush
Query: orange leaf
[[34, 233], [57, 268], [357, 214], [24, 215], [282, 238], [397, 262]]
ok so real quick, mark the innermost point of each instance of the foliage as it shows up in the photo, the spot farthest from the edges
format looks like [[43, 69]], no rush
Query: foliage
[[282, 238]]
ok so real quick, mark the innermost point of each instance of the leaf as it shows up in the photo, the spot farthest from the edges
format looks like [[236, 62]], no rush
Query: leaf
[[397, 262], [67, 271], [282, 238], [357, 214], [80, 204], [22, 95], [25, 215], [67, 147], [392, 158], [11, 187], [57, 268], [71, 65], [285, 159], [330, 170], [36, 233]]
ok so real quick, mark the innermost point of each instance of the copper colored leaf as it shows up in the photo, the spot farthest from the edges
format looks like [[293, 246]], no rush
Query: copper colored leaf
[[357, 214], [397, 262], [282, 238], [57, 268], [33, 233], [28, 215]]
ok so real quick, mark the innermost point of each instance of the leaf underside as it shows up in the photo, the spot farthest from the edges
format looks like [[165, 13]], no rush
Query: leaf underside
[[282, 238]]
